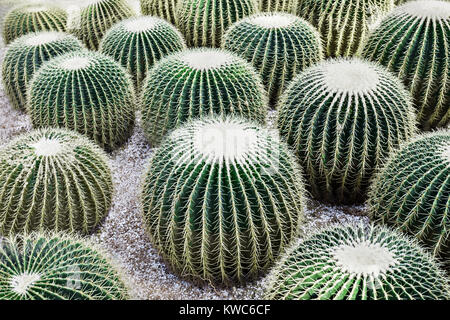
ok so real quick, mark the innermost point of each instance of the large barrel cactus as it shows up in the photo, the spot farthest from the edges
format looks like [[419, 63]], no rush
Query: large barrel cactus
[[412, 192], [87, 92], [137, 43], [165, 9], [278, 45], [357, 263], [26, 55], [199, 82], [57, 267], [414, 42], [53, 179], [222, 199], [343, 24], [203, 22], [33, 17], [278, 5], [343, 117]]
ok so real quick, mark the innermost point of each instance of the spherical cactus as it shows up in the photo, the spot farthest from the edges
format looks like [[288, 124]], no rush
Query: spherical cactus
[[97, 16], [165, 9], [412, 192], [278, 5], [357, 263], [26, 55], [343, 117], [278, 45], [33, 17], [221, 199], [56, 267], [53, 179], [418, 51], [203, 23], [344, 24], [137, 43], [196, 83], [86, 92]]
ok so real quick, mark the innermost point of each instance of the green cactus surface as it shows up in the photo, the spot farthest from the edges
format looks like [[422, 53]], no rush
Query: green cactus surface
[[413, 42], [278, 5], [278, 45], [343, 117], [353, 262], [56, 267], [87, 92], [165, 9], [221, 199], [196, 83]]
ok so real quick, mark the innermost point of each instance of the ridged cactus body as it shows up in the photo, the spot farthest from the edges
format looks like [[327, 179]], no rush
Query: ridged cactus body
[[196, 83], [203, 22], [414, 43], [221, 199], [412, 192], [278, 5], [33, 17], [56, 267], [26, 55], [87, 92], [165, 9], [357, 263], [138, 43], [343, 117], [278, 45]]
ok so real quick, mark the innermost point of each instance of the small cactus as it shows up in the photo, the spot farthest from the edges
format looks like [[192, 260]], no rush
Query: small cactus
[[343, 117], [417, 50], [56, 267], [33, 17], [165, 9], [25, 56], [53, 179], [353, 262], [278, 45], [278, 5], [221, 199], [412, 192], [196, 83], [137, 43], [203, 22], [87, 92]]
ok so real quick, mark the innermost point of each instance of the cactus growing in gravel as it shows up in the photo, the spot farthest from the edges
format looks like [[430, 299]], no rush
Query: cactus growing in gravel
[[199, 82], [222, 199], [343, 117], [137, 43], [56, 267], [203, 22], [33, 18], [165, 9], [87, 92], [278, 5], [26, 55], [414, 42], [412, 191], [344, 24], [278, 45], [357, 263], [53, 179]]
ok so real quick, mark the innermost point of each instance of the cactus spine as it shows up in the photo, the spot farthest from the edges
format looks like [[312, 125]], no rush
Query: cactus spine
[[165, 9], [278, 5]]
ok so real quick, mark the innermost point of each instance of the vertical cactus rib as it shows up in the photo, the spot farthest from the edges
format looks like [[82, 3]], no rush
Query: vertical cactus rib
[[165, 9]]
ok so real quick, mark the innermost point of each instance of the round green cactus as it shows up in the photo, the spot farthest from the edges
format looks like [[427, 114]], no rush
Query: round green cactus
[[417, 50], [203, 22], [96, 17], [165, 9], [56, 267], [343, 24], [221, 199], [137, 43], [343, 117], [53, 179], [412, 192], [87, 92], [33, 17], [196, 83], [278, 5], [353, 262], [278, 45], [26, 55]]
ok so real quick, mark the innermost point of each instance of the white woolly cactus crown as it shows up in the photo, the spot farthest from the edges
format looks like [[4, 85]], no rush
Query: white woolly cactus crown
[[206, 59], [272, 20], [426, 9]]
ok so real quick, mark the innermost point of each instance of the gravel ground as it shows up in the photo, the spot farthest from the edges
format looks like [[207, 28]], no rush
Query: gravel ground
[[122, 234]]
